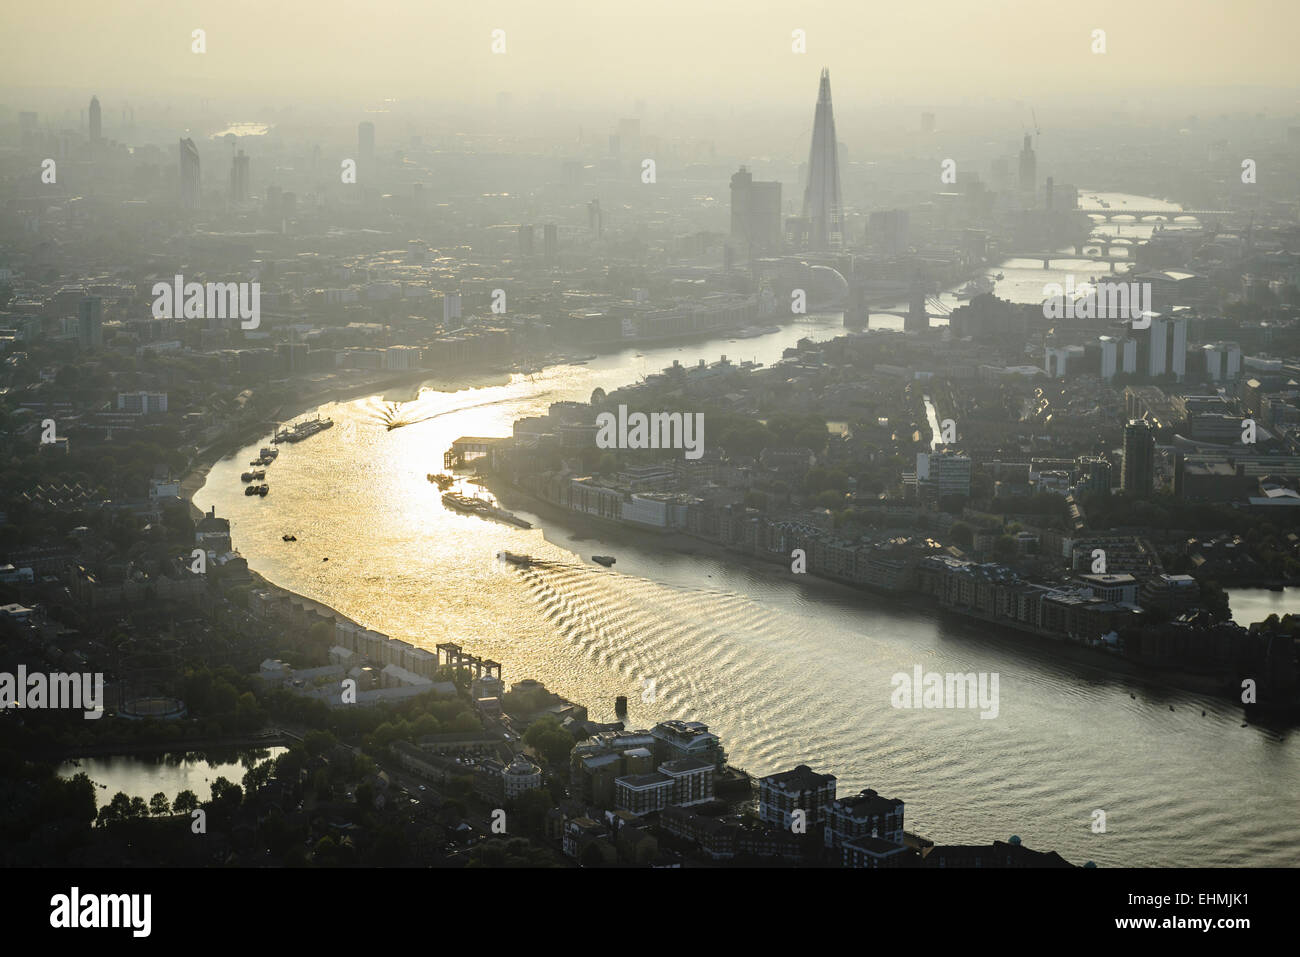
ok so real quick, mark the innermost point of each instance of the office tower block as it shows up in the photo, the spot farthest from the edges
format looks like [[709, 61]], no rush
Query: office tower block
[[1137, 472], [450, 307], [90, 322], [190, 189], [755, 214], [1222, 361], [1157, 348], [1028, 166], [239, 178], [1178, 348]]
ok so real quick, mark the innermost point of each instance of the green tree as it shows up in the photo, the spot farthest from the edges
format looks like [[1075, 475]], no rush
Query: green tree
[[548, 739], [829, 499], [186, 801], [319, 742], [289, 765], [424, 725], [118, 809], [256, 777], [365, 795], [226, 794], [158, 804]]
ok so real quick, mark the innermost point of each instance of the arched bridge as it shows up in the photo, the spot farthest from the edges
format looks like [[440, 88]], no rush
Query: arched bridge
[[1167, 214]]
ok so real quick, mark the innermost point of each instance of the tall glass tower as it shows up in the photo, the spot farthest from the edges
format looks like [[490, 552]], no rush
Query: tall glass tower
[[191, 190], [822, 208]]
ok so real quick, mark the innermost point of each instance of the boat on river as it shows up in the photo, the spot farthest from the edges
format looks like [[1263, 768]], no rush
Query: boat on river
[[481, 507]]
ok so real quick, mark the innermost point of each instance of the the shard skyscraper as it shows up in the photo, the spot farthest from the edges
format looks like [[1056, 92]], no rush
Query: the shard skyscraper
[[822, 209]]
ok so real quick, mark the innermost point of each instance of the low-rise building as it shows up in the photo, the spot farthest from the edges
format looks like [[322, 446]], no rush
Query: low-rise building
[[641, 794], [867, 851], [866, 814], [692, 780], [520, 775], [578, 833], [687, 739], [801, 789]]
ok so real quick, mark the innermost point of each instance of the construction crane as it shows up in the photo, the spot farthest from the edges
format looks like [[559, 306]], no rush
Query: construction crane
[[1036, 129]]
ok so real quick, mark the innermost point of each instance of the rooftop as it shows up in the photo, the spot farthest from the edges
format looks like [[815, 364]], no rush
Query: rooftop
[[801, 778]]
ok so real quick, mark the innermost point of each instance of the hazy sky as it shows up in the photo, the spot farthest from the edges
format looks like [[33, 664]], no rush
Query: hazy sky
[[665, 51]]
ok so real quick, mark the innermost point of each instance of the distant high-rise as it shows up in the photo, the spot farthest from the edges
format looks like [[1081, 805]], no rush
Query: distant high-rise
[[526, 234], [917, 318], [595, 220], [1117, 355], [822, 208], [1065, 196], [90, 322], [1028, 166], [190, 192], [239, 178], [1178, 348], [755, 214], [1166, 347], [450, 307], [96, 120], [1137, 472], [1222, 360]]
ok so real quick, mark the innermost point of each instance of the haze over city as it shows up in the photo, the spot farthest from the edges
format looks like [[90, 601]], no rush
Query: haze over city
[[692, 435]]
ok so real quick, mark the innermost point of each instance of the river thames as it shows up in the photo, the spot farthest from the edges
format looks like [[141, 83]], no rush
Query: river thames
[[786, 671]]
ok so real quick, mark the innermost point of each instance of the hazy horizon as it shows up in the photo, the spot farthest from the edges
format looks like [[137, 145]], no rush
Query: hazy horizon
[[576, 54]]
